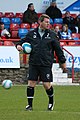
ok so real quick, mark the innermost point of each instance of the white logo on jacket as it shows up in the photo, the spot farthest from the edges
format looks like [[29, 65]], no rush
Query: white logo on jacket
[[48, 36], [35, 35]]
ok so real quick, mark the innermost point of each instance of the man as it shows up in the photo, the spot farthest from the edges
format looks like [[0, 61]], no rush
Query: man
[[77, 23], [30, 16], [43, 42], [70, 21], [4, 33], [52, 11]]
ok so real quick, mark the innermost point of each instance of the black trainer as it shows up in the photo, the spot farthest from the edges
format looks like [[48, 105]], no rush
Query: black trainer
[[28, 108], [50, 107]]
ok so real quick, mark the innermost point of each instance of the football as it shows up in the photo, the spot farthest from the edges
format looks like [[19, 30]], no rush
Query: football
[[26, 48], [7, 84]]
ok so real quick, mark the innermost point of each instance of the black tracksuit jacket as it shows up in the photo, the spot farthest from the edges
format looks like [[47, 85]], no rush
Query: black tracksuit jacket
[[43, 48]]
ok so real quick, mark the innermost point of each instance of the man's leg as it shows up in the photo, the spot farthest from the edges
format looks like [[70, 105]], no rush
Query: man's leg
[[32, 78], [30, 94], [49, 91]]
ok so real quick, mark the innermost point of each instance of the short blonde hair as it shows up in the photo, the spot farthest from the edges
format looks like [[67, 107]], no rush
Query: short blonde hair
[[41, 18]]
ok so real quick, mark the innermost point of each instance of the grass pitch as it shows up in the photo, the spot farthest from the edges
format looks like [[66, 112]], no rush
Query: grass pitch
[[13, 102]]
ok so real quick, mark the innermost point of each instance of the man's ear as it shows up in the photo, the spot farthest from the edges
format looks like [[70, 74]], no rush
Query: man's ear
[[39, 22]]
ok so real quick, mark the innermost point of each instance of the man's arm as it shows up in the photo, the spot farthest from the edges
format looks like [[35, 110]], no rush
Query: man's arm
[[60, 54], [19, 44]]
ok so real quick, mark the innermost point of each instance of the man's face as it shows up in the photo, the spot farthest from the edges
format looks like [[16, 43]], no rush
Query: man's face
[[31, 7], [56, 28], [2, 26], [53, 4], [67, 14], [45, 24]]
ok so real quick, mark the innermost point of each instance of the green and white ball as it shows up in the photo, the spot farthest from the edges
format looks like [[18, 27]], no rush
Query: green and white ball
[[26, 48], [7, 84]]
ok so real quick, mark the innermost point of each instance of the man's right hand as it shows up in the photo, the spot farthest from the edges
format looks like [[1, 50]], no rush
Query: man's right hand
[[19, 47]]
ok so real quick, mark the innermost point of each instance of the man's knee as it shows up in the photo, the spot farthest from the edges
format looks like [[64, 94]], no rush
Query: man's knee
[[31, 83], [46, 85]]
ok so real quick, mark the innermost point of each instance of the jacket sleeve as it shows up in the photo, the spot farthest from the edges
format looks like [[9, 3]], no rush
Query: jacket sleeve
[[26, 18], [48, 12], [30, 17], [58, 50]]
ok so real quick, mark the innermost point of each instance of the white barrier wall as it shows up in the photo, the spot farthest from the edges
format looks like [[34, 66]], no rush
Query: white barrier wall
[[40, 5], [9, 57], [75, 51]]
